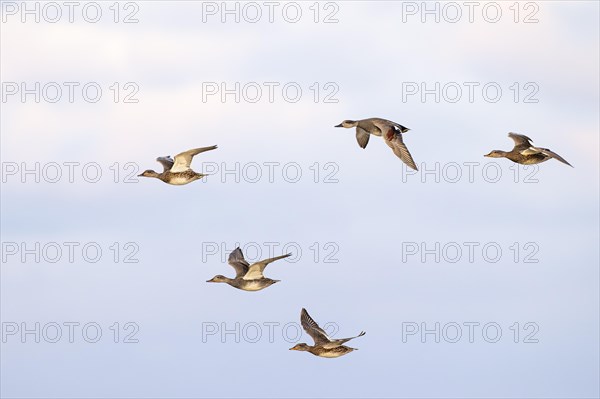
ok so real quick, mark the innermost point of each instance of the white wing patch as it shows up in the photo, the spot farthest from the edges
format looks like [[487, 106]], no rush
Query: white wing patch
[[530, 151], [184, 160], [255, 271]]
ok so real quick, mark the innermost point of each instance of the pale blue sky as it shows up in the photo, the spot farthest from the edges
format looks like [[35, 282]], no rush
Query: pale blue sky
[[369, 213]]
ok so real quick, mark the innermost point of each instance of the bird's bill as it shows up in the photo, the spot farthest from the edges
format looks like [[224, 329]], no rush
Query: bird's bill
[[212, 280], [340, 125], [142, 175], [489, 155]]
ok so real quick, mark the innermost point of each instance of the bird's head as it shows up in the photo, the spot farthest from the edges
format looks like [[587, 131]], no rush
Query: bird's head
[[495, 154], [218, 279], [347, 124], [148, 173], [300, 347]]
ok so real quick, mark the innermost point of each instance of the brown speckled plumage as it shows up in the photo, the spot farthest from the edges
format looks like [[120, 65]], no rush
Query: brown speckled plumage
[[525, 153], [178, 172], [324, 345], [248, 277], [331, 352]]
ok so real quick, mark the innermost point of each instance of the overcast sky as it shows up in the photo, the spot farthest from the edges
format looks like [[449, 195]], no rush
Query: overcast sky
[[466, 241]]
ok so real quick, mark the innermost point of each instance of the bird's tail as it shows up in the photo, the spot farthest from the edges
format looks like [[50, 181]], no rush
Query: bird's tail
[[402, 129]]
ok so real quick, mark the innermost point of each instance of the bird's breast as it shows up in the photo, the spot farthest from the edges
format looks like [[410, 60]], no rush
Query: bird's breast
[[179, 181], [331, 354], [251, 285]]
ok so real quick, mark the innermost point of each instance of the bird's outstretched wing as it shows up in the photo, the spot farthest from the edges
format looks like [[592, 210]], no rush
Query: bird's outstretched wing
[[522, 142], [551, 154], [312, 328], [524, 146], [394, 140], [184, 160], [362, 136], [339, 342], [255, 271], [237, 261], [166, 162]]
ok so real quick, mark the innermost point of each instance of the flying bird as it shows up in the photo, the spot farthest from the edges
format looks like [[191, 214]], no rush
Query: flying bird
[[324, 346], [391, 132], [248, 277], [178, 171], [525, 153]]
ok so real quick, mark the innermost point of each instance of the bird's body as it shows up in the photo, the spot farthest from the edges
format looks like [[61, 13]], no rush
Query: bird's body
[[178, 172], [330, 352], [251, 285], [248, 277], [324, 345], [390, 131], [531, 159], [180, 178], [525, 153]]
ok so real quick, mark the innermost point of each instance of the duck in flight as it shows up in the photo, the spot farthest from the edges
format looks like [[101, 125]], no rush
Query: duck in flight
[[324, 346], [248, 277], [178, 171], [525, 153], [391, 132]]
